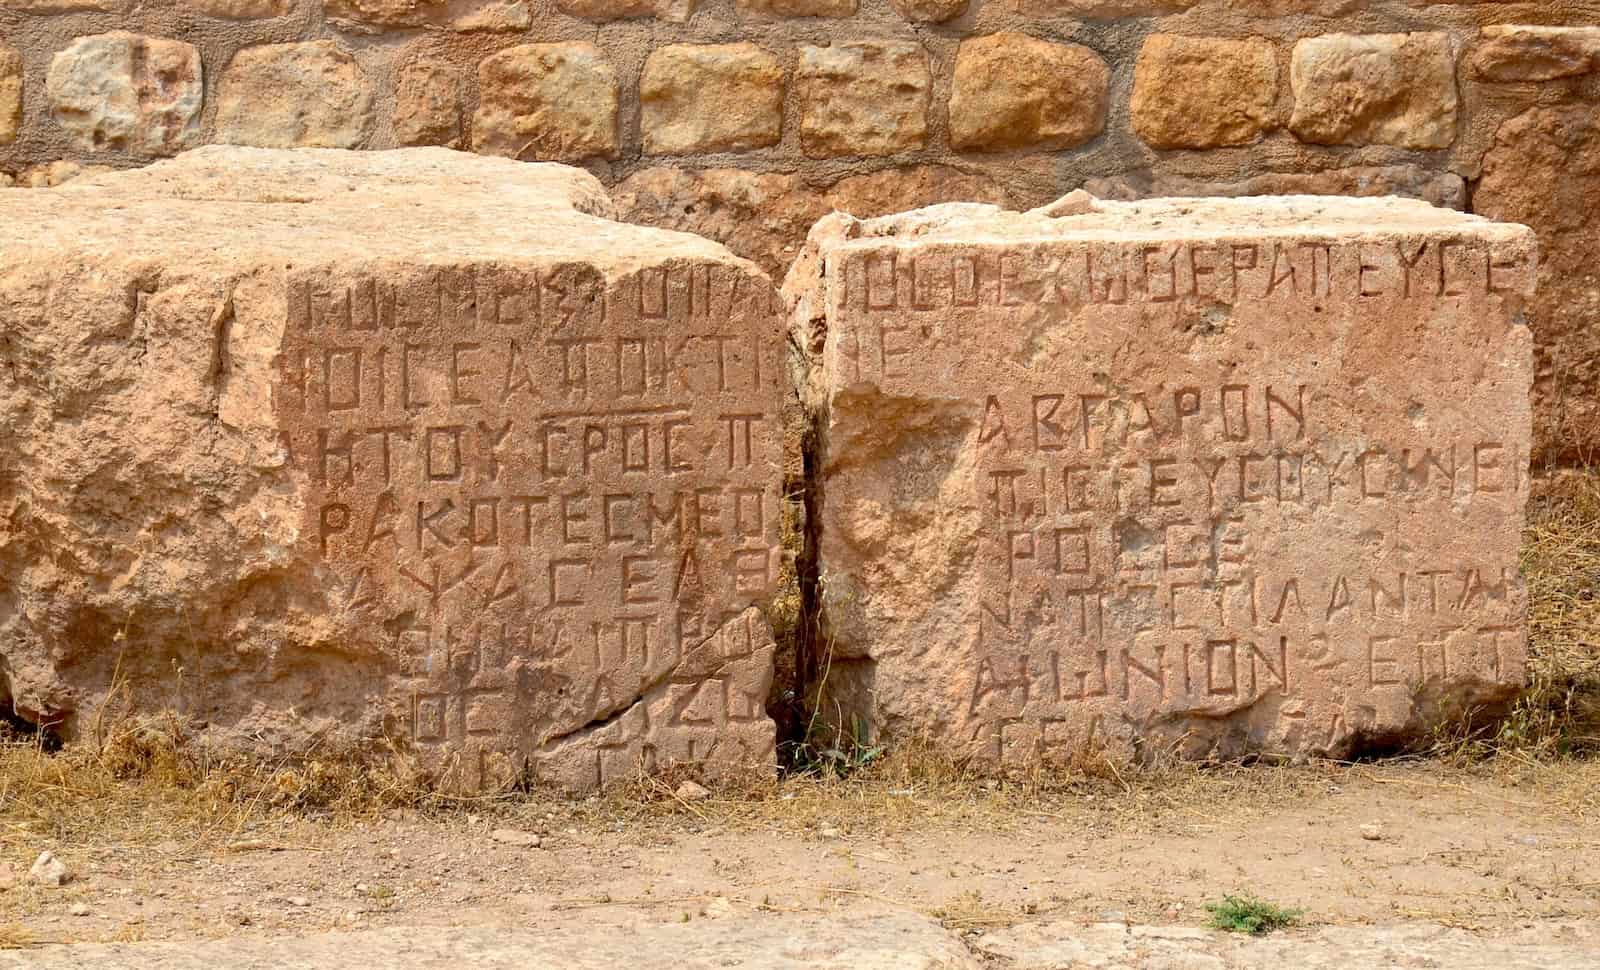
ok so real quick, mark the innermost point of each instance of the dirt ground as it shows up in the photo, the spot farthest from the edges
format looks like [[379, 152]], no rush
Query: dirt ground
[[1500, 848]]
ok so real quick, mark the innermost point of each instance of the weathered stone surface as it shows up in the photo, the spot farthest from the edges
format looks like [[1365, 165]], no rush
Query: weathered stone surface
[[1544, 171], [1196, 476], [673, 11], [305, 95], [59, 172], [796, 8], [427, 104], [1204, 92], [370, 16], [929, 11], [763, 216], [1438, 188], [863, 98], [1015, 91], [1519, 52], [239, 9], [388, 447], [1095, 9], [1390, 89], [710, 98], [10, 93], [64, 6], [127, 92], [547, 101]]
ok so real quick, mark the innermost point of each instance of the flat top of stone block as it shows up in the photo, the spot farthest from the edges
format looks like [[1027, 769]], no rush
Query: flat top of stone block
[[1082, 217], [228, 205]]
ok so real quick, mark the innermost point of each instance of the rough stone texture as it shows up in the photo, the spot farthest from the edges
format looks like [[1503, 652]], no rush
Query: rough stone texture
[[547, 101], [240, 9], [1203, 477], [1517, 52], [466, 15], [1544, 172], [64, 6], [1204, 92], [929, 11], [388, 448], [304, 95], [1437, 188], [760, 216], [710, 98], [1389, 89], [427, 106], [127, 92], [796, 8], [863, 98], [1095, 9], [1013, 91], [672, 11], [770, 942], [10, 93]]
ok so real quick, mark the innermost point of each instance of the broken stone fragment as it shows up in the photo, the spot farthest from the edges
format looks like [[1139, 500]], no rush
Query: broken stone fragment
[[47, 870], [411, 449], [1193, 476]]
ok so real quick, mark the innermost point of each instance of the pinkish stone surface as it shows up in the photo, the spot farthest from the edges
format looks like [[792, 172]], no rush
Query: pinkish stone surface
[[411, 450], [1203, 476]]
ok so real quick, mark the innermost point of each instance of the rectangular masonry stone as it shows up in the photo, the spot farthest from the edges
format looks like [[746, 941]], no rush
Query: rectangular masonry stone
[[1210, 477], [404, 449]]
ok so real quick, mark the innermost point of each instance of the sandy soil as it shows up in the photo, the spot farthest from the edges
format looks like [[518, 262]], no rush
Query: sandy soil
[[1494, 851]]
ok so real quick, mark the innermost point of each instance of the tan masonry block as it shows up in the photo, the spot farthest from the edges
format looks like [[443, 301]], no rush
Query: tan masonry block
[[710, 98], [127, 92], [863, 98], [306, 95], [427, 104], [672, 11], [1385, 89], [553, 102], [10, 93], [1015, 91], [796, 8], [1521, 52], [1204, 92]]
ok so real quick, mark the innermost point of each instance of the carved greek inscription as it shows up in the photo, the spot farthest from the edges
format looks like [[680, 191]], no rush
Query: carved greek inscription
[[931, 280], [543, 493], [1230, 485]]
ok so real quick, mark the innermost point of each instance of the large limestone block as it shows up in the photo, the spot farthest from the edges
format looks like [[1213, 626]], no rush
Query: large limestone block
[[391, 449], [556, 102], [1204, 92], [1014, 91], [863, 98], [1383, 89], [127, 92], [1203, 476], [306, 95], [710, 98]]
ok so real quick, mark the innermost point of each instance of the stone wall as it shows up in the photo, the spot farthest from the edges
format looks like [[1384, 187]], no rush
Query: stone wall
[[745, 120]]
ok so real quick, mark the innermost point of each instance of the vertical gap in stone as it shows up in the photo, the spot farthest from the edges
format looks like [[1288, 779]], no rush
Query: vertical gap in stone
[[806, 567]]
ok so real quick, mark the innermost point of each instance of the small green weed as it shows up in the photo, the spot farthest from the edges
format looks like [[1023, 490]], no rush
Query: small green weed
[[1247, 914]]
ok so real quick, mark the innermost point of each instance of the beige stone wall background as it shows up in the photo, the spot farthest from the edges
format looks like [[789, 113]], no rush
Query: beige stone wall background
[[746, 120]]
